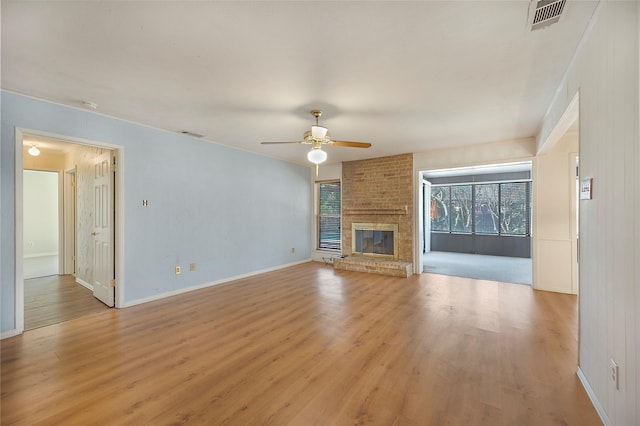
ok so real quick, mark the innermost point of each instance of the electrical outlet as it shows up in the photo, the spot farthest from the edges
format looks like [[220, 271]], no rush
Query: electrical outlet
[[178, 270], [615, 373], [192, 266]]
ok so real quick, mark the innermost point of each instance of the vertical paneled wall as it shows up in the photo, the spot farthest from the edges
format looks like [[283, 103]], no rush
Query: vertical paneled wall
[[605, 72]]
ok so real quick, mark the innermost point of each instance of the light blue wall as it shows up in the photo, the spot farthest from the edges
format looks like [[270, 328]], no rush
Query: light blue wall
[[229, 211]]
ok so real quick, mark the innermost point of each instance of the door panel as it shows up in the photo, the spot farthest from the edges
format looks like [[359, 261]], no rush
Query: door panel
[[103, 258]]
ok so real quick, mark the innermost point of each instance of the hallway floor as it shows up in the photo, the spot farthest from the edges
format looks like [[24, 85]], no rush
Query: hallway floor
[[55, 299]]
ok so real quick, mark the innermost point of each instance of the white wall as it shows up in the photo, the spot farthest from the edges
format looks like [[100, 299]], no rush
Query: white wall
[[41, 234], [231, 212], [605, 72], [553, 194], [508, 151]]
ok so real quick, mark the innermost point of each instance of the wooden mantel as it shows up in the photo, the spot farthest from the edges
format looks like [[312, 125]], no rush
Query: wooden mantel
[[376, 210]]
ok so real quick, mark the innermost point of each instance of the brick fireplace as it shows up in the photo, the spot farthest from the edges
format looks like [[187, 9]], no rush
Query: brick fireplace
[[378, 192]]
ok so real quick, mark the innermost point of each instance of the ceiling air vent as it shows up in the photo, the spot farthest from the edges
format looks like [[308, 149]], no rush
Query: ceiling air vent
[[195, 135], [546, 12]]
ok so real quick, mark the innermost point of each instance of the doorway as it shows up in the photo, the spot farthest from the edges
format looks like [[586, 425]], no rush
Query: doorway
[[41, 208], [67, 291], [477, 222], [555, 243]]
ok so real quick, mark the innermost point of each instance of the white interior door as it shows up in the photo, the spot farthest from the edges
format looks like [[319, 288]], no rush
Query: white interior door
[[103, 236]]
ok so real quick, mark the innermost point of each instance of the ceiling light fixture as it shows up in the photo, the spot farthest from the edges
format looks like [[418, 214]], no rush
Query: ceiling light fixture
[[316, 156], [34, 151]]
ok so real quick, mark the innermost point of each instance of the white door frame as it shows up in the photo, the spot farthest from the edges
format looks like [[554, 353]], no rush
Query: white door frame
[[574, 222], [20, 134], [569, 117], [418, 204], [426, 215], [69, 229]]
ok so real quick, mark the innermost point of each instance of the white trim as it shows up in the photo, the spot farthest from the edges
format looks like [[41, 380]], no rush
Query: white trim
[[83, 283], [209, 284], [418, 266], [568, 118], [19, 234], [8, 333], [51, 253], [68, 247], [19, 214], [593, 398], [119, 231], [60, 221]]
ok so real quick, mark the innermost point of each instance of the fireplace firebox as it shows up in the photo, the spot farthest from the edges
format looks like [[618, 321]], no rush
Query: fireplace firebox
[[375, 240]]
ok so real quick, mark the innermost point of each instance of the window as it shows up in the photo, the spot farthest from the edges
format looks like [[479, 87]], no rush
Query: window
[[514, 208], [461, 208], [329, 208], [487, 208], [440, 208]]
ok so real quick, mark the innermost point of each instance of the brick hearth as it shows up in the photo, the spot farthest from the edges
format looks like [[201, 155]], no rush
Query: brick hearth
[[376, 266]]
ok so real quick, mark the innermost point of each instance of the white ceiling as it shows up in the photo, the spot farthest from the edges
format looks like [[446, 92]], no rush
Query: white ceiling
[[405, 76]]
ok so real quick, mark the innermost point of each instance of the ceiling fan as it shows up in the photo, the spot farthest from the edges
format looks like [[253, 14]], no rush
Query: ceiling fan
[[318, 136]]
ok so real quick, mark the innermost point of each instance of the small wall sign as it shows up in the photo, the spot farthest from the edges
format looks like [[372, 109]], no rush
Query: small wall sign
[[585, 189]]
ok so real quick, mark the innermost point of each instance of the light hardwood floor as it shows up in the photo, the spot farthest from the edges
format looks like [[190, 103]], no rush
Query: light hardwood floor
[[56, 298], [308, 345]]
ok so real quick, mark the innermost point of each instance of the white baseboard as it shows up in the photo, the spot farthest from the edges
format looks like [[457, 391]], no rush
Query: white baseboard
[[84, 283], [209, 284], [594, 399], [8, 333]]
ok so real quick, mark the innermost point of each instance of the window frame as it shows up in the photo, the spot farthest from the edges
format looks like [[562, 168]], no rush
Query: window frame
[[500, 233], [319, 216]]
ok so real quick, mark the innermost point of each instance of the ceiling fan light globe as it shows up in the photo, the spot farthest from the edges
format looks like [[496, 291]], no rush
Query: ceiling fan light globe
[[318, 132], [317, 156]]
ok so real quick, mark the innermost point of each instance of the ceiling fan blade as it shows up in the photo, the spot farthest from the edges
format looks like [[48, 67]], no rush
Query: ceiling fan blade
[[350, 144], [275, 143]]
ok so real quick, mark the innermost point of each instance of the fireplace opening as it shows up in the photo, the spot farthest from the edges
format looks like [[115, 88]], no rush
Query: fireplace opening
[[377, 240]]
